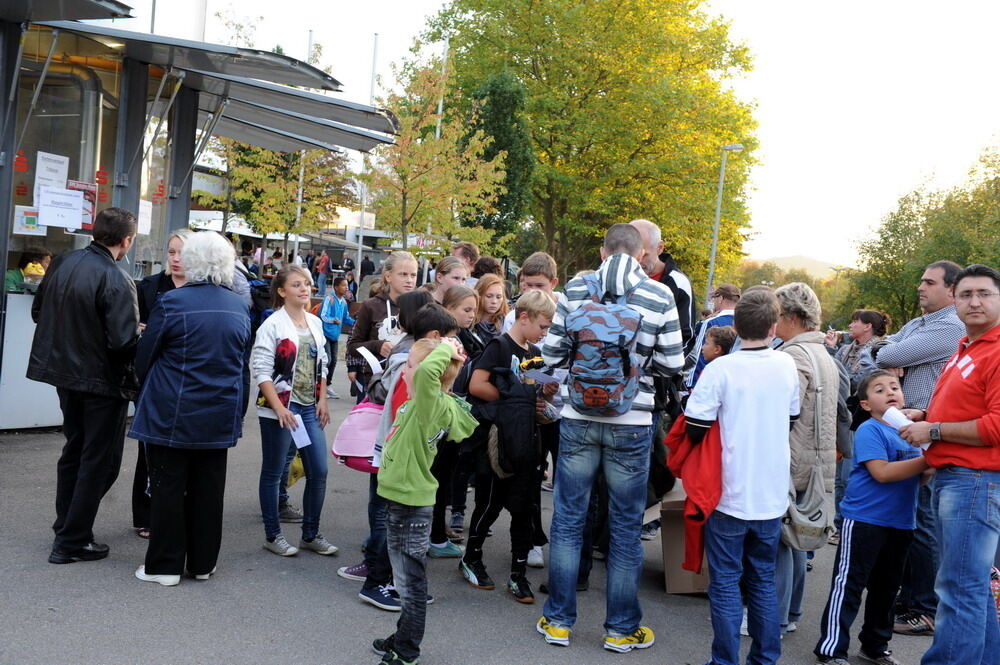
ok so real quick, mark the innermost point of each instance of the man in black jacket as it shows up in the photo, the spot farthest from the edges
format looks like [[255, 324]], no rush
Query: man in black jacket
[[88, 325]]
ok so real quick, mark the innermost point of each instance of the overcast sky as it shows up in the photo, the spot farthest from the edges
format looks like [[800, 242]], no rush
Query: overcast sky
[[858, 102]]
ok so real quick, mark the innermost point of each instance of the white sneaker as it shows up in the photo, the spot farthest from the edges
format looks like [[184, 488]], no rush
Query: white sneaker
[[332, 394], [535, 558], [205, 576], [319, 545], [280, 546], [792, 627], [163, 580]]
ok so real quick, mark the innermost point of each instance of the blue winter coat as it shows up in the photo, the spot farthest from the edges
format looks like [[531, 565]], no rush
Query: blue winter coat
[[191, 361]]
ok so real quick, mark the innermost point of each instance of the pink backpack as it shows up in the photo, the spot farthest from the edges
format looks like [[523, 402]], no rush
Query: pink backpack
[[354, 444]]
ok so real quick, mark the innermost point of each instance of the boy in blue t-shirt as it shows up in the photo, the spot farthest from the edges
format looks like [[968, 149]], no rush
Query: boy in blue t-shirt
[[879, 509]]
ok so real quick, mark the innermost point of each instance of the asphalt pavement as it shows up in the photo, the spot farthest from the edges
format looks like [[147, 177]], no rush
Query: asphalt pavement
[[261, 609]]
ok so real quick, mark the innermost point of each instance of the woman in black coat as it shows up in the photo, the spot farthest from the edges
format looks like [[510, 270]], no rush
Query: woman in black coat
[[191, 360], [149, 291]]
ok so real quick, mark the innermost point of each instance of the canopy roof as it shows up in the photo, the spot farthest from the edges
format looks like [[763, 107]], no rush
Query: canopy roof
[[17, 11], [276, 117], [213, 58]]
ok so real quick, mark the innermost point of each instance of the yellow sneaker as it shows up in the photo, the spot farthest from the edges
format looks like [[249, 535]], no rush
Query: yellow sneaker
[[553, 634], [642, 638]]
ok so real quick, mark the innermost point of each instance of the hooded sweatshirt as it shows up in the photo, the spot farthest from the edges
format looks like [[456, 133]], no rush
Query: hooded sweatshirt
[[429, 416], [659, 344]]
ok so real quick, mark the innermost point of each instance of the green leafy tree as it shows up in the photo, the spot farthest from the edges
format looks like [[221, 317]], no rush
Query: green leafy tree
[[627, 106], [499, 103]]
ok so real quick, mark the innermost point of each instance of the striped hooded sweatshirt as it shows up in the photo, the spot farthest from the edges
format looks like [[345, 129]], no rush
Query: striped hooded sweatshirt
[[659, 344]]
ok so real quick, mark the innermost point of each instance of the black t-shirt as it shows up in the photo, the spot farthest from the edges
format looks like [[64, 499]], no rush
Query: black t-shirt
[[491, 356]]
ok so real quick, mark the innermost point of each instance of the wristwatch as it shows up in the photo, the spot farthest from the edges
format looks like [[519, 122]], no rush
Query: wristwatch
[[936, 432]]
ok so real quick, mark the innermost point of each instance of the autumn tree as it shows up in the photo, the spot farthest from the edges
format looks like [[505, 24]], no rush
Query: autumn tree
[[627, 106], [436, 172]]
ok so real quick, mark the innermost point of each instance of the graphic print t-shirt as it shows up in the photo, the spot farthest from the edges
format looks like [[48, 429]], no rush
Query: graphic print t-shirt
[[491, 358], [303, 390]]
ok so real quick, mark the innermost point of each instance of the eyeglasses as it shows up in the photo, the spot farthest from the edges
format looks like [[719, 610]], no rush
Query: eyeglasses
[[966, 296]]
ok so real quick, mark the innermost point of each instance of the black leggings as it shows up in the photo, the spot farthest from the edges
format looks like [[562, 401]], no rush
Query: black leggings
[[494, 495], [443, 469]]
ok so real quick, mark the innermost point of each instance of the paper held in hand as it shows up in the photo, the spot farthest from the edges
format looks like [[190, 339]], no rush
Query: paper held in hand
[[896, 419], [300, 437]]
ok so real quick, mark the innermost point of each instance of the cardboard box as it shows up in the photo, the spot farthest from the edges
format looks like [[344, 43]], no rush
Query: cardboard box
[[677, 580]]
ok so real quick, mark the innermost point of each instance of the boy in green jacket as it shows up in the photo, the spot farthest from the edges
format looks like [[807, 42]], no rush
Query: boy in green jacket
[[405, 481]]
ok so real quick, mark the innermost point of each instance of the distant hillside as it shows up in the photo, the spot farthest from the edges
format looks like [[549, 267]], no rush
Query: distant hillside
[[815, 267]]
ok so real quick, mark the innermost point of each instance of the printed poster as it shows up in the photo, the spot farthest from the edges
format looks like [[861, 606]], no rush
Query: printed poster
[[26, 222], [145, 217], [89, 190], [58, 206], [50, 171]]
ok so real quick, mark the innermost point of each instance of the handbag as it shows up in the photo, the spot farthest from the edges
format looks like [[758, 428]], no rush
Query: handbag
[[809, 520], [354, 444]]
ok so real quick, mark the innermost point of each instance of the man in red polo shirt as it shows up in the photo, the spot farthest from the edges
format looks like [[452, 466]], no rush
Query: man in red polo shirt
[[962, 423]]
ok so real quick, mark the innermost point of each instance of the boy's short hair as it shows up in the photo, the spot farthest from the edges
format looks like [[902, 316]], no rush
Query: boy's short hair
[[429, 318], [337, 281], [755, 313], [862, 393], [722, 336], [535, 304], [538, 263], [422, 348]]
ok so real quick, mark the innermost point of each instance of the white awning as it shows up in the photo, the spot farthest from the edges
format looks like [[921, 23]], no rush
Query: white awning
[[211, 220]]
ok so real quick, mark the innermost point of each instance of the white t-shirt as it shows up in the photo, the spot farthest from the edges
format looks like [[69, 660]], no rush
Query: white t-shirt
[[752, 394]]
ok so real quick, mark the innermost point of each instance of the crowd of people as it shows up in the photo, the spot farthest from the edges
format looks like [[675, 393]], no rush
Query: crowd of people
[[460, 385]]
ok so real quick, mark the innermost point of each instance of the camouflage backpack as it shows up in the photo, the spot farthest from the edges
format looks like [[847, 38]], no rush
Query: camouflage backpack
[[603, 366]]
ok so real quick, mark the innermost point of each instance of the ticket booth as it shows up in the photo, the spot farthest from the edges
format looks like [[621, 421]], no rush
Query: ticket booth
[[102, 117]]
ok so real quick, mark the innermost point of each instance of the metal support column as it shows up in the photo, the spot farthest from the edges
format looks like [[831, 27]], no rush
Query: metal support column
[[131, 123], [183, 125], [10, 39]]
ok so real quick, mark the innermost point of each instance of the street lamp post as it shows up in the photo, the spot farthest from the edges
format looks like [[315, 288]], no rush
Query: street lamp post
[[726, 149]]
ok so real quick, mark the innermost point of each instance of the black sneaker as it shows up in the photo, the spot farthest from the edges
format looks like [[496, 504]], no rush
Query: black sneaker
[[475, 574], [520, 588], [392, 658], [913, 623], [89, 552], [382, 646]]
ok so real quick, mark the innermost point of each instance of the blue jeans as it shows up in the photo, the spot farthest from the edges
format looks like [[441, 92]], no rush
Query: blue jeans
[[790, 584], [968, 529], [408, 536], [275, 441], [917, 592], [622, 452], [741, 550], [283, 485], [321, 284], [376, 556]]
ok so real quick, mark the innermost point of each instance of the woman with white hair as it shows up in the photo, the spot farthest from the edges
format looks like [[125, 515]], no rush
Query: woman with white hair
[[191, 359], [814, 438]]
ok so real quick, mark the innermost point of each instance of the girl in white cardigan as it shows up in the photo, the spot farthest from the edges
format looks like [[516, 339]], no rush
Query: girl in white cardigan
[[288, 363]]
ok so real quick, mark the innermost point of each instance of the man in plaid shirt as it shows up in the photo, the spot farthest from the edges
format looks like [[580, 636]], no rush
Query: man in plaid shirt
[[918, 352]]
